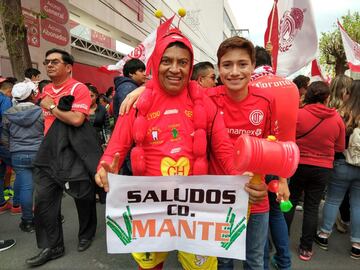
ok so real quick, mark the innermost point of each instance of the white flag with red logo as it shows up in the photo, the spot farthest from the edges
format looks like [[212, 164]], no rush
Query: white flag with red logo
[[352, 50], [292, 33], [143, 51]]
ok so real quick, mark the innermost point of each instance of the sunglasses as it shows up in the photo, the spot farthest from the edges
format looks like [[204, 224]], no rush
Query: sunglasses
[[53, 62]]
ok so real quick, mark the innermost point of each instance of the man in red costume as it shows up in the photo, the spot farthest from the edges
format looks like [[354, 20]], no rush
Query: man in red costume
[[170, 128]]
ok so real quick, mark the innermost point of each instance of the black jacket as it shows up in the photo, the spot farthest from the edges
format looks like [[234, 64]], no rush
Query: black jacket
[[70, 154]]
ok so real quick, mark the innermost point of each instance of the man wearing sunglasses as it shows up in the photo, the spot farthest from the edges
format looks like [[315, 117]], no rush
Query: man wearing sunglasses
[[49, 235]]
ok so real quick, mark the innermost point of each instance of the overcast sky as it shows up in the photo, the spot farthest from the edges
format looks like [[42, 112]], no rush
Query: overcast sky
[[325, 11]]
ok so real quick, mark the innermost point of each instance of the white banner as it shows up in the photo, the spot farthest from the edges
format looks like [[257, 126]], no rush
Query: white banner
[[203, 215], [352, 50]]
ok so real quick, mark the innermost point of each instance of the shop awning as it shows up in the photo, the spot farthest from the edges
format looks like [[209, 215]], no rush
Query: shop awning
[[86, 73]]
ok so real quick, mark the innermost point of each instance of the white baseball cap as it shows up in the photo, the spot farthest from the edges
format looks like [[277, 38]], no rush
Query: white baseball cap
[[23, 90]]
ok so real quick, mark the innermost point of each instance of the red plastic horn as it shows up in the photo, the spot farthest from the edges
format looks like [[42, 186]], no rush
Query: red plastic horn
[[266, 156]]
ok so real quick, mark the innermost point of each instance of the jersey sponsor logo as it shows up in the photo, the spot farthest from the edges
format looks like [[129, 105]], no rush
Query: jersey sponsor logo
[[172, 111], [171, 167], [256, 117], [278, 83], [153, 115], [175, 150], [80, 106], [239, 131]]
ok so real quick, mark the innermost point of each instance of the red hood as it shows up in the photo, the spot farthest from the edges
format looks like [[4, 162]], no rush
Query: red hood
[[162, 42], [320, 110]]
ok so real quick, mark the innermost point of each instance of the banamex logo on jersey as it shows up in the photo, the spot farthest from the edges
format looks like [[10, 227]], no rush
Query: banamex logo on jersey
[[256, 117]]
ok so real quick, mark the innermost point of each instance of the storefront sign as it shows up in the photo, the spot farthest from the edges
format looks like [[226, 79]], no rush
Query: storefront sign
[[32, 27], [54, 32], [55, 11]]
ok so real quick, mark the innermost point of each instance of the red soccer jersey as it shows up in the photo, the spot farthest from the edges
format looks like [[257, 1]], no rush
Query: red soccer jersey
[[287, 97], [81, 102], [168, 144], [255, 115]]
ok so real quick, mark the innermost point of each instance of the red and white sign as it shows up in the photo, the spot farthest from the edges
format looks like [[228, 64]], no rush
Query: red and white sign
[[292, 33], [54, 32], [352, 50], [100, 39], [55, 11], [32, 25]]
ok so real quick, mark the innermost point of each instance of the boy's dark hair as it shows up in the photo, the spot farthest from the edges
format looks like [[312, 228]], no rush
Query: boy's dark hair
[[30, 72], [199, 68], [317, 92], [236, 42], [301, 81], [12, 80], [42, 84], [132, 66], [262, 57], [65, 56]]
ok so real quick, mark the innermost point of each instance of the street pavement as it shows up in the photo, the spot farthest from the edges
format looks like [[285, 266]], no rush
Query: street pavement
[[96, 256]]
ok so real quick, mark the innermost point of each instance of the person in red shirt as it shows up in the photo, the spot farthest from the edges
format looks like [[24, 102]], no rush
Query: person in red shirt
[[49, 235], [168, 111], [320, 132], [286, 96], [245, 111]]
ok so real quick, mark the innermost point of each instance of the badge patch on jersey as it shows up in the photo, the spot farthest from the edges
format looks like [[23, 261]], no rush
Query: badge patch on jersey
[[171, 167], [154, 133], [256, 117], [172, 111]]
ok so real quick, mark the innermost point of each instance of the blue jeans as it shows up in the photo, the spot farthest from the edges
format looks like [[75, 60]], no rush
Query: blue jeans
[[5, 160], [345, 177], [23, 185], [256, 237], [279, 234]]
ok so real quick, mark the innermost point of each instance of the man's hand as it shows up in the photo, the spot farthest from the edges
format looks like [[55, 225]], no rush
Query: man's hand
[[101, 177], [283, 193], [46, 102], [131, 100], [257, 192]]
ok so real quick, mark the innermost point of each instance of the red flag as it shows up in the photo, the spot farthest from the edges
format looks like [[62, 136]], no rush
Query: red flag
[[352, 50], [316, 73], [272, 34]]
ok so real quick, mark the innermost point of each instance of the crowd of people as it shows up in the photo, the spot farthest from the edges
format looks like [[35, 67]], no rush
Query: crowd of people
[[47, 126]]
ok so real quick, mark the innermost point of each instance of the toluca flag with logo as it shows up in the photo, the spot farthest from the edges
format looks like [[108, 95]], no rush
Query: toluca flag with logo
[[292, 33], [143, 51], [352, 50]]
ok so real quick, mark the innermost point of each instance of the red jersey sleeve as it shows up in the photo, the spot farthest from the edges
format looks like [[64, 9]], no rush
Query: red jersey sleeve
[[121, 139], [219, 139], [82, 99]]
